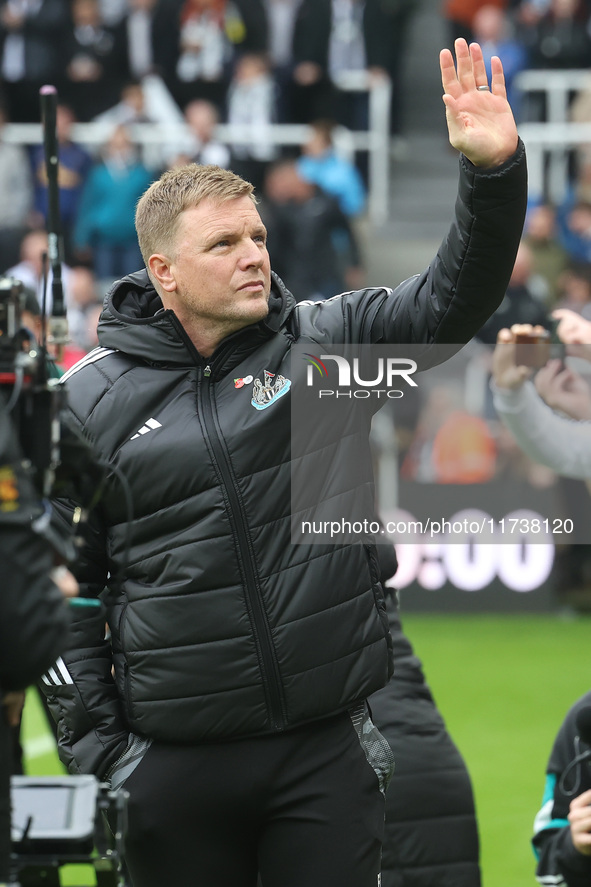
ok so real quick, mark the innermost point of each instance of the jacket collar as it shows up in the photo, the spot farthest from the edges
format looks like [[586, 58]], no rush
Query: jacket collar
[[134, 321]]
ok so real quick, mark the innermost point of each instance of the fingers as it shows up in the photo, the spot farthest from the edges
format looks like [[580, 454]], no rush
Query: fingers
[[504, 336], [582, 800], [579, 817], [478, 68], [497, 80], [464, 65], [449, 80], [469, 71]]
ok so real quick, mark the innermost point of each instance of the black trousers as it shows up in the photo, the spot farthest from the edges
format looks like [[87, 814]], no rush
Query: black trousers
[[303, 807]]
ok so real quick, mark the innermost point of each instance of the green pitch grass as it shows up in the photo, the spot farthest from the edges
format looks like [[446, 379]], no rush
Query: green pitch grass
[[503, 685]]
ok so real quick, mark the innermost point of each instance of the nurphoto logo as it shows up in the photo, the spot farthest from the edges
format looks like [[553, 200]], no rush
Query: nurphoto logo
[[348, 376]]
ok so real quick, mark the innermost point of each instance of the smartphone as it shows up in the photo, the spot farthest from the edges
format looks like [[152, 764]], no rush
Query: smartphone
[[532, 349]]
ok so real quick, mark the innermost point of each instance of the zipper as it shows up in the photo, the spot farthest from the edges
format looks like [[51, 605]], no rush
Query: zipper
[[260, 624], [126, 681]]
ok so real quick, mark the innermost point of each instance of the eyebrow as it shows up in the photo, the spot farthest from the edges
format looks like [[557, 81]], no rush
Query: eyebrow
[[225, 234]]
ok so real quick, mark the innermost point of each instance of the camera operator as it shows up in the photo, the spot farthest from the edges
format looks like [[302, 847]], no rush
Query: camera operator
[[562, 828], [33, 618]]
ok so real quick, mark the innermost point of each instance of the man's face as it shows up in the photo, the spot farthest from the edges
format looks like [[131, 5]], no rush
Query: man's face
[[221, 267]]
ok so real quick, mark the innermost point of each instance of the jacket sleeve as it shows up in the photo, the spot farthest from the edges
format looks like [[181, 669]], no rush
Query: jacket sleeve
[[465, 283], [33, 616], [561, 443], [81, 693], [558, 862]]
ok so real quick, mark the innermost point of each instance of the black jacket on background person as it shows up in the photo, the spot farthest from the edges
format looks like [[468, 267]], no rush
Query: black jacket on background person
[[33, 617], [221, 627], [431, 834], [421, 848]]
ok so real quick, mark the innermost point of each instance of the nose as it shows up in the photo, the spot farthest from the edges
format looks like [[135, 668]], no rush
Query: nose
[[253, 255]]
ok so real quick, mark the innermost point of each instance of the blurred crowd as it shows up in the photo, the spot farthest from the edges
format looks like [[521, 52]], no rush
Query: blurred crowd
[[254, 63]]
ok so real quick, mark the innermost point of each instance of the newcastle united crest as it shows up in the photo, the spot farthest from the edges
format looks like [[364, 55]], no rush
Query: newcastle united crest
[[268, 391]]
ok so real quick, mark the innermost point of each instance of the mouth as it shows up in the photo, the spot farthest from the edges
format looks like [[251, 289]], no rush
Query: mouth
[[252, 286]]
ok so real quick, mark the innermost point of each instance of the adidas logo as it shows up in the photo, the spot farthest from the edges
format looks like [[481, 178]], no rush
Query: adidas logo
[[150, 425]]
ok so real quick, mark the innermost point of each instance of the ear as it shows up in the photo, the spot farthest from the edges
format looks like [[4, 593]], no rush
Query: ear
[[161, 269]]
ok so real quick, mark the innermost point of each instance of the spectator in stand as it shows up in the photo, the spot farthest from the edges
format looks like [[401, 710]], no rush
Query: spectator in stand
[[30, 268], [74, 165], [92, 83], [333, 37], [112, 11], [252, 105], [16, 197], [31, 53], [301, 222], [208, 32], [105, 230], [83, 300], [559, 39], [131, 108], [201, 145], [574, 227], [492, 28], [575, 289], [459, 15], [322, 165], [273, 23], [561, 440], [549, 257], [519, 304], [147, 39], [145, 101]]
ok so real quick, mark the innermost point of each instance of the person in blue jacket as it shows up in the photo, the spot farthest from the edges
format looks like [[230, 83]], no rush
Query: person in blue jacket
[[321, 165], [105, 227]]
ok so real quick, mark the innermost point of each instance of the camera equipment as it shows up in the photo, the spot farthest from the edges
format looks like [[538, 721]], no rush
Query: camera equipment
[[59, 820], [34, 400], [55, 821], [58, 324]]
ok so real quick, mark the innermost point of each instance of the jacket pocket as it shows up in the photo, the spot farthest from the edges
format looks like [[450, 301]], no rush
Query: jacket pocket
[[125, 765], [376, 747], [380, 602]]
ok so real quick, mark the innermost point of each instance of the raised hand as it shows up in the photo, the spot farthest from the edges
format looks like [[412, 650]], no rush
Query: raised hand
[[506, 373], [564, 390], [572, 328], [479, 120]]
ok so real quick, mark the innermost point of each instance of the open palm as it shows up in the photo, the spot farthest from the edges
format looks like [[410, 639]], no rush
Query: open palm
[[480, 122]]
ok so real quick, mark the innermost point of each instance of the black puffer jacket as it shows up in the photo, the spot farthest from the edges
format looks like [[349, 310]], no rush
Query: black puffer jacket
[[222, 627]]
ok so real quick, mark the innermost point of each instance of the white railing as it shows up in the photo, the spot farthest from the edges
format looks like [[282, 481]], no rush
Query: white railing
[[376, 140], [550, 143], [557, 87], [553, 141]]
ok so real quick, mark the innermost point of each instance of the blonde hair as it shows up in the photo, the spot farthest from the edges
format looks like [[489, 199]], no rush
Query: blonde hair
[[159, 209]]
